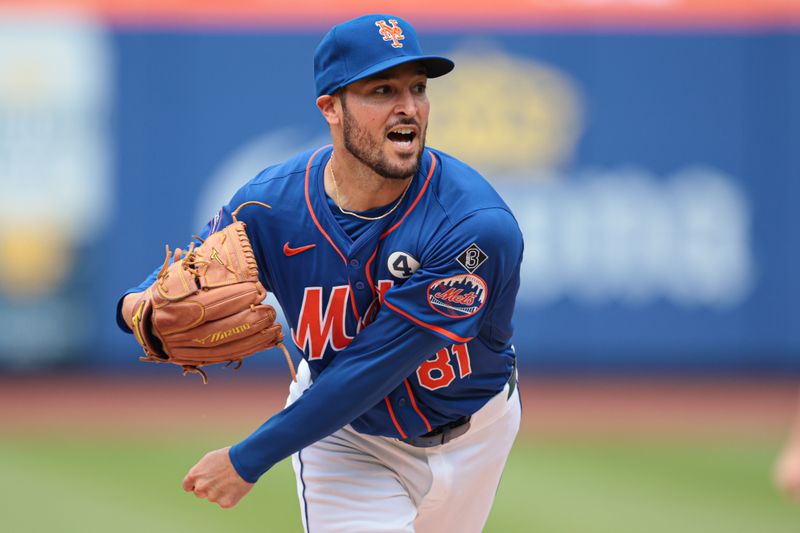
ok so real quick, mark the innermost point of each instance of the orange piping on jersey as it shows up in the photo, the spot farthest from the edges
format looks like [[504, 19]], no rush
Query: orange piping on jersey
[[416, 200], [353, 302], [437, 329], [394, 420], [311, 209], [388, 231], [414, 405], [366, 270]]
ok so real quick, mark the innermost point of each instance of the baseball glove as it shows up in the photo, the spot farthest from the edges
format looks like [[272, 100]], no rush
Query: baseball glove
[[205, 307]]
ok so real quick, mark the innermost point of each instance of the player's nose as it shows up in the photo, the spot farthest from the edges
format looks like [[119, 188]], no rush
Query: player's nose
[[406, 103]]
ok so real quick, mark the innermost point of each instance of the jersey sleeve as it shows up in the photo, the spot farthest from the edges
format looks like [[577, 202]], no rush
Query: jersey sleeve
[[462, 275], [375, 363]]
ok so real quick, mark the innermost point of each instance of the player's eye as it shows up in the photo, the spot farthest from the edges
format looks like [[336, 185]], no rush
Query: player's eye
[[421, 88], [382, 89]]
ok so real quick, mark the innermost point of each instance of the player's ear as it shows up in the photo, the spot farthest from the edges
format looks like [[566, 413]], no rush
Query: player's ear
[[327, 106]]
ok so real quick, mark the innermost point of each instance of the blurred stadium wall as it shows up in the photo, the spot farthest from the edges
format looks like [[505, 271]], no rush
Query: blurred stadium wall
[[648, 148]]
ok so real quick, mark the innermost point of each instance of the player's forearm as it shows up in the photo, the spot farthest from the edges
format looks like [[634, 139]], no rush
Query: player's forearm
[[356, 380]]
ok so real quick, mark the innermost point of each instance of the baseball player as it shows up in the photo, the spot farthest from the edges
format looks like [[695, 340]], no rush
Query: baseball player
[[397, 267]]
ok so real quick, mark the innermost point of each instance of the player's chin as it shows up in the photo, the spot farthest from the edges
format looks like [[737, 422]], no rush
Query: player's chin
[[404, 154], [402, 165]]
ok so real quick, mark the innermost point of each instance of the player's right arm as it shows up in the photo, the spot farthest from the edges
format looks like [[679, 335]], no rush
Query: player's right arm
[[391, 348]]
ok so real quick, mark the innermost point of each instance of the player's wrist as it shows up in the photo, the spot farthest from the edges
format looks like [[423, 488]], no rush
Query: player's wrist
[[234, 456], [128, 306]]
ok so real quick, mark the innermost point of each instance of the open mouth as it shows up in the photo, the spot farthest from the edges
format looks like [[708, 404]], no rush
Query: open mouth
[[402, 136]]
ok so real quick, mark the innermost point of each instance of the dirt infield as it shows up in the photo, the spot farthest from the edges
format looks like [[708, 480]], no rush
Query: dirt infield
[[551, 406]]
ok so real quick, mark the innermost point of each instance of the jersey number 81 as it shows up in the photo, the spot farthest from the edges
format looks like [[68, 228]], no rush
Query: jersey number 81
[[438, 371]]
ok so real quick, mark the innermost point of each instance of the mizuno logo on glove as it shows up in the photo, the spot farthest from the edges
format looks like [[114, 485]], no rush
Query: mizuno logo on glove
[[221, 335]]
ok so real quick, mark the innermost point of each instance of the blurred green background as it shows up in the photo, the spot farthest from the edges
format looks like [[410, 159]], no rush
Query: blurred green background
[[89, 454], [71, 483]]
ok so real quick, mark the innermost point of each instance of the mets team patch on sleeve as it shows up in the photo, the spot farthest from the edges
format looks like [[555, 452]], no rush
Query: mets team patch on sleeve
[[457, 296], [471, 258]]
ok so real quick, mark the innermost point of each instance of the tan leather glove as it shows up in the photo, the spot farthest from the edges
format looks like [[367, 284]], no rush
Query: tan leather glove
[[205, 307]]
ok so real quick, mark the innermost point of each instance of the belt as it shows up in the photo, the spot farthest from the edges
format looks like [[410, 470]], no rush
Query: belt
[[456, 428], [512, 379]]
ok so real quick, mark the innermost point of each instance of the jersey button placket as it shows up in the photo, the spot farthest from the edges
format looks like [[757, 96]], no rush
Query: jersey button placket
[[355, 264]]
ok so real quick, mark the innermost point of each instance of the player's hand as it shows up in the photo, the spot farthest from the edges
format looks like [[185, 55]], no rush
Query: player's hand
[[787, 472], [215, 479], [128, 305]]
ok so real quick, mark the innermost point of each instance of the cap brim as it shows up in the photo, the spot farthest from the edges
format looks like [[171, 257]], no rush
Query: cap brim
[[435, 66]]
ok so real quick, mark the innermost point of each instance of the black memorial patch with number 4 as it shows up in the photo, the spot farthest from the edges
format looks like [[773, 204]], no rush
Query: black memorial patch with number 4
[[471, 258]]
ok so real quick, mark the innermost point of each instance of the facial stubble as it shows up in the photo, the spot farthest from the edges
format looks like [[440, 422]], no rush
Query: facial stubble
[[367, 149]]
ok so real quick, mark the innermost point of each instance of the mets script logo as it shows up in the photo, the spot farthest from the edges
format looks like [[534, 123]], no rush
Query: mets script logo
[[392, 33], [457, 296]]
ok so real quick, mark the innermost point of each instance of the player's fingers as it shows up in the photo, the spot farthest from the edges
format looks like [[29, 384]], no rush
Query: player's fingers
[[188, 483], [201, 489], [226, 503]]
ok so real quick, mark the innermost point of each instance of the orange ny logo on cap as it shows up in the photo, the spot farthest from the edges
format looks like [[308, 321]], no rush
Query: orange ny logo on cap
[[392, 33]]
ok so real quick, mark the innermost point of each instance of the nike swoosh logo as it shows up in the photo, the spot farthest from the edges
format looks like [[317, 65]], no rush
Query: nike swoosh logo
[[289, 251]]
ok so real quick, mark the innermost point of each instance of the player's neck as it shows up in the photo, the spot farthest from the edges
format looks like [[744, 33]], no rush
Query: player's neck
[[356, 187]]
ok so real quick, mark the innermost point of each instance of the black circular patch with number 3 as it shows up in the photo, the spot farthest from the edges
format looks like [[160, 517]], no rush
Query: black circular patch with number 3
[[402, 265]]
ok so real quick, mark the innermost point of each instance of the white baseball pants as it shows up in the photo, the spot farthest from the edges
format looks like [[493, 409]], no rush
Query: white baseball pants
[[350, 482]]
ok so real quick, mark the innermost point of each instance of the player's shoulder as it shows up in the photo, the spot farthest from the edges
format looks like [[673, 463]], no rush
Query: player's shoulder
[[463, 210], [284, 181], [281, 186], [284, 173], [461, 192]]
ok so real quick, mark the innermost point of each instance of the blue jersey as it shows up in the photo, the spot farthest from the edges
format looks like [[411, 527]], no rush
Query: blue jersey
[[404, 329]]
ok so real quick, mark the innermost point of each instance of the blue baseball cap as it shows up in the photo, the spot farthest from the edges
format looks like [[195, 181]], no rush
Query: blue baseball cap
[[366, 45]]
